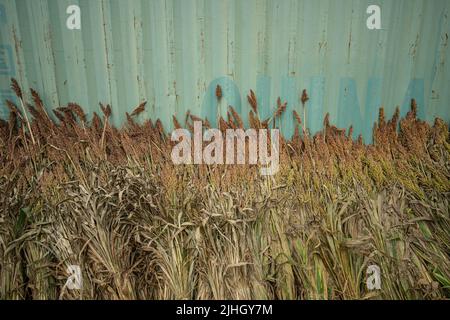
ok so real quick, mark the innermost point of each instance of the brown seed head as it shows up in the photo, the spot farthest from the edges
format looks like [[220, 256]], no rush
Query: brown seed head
[[304, 97], [297, 117], [281, 107], [218, 92], [176, 124], [252, 100], [16, 88], [414, 107], [139, 109]]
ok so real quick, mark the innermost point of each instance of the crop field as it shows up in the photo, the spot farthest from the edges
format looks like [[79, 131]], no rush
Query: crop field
[[75, 190]]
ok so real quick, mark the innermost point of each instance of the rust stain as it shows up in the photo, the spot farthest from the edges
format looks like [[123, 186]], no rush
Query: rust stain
[[108, 64], [413, 47], [17, 46], [349, 46]]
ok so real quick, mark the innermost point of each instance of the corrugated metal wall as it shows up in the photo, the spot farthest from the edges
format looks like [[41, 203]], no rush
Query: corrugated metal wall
[[173, 53]]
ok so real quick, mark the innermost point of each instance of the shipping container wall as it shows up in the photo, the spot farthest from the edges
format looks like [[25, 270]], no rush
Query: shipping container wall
[[173, 53]]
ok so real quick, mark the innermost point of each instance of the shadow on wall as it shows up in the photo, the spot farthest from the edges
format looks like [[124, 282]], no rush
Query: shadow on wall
[[350, 111]]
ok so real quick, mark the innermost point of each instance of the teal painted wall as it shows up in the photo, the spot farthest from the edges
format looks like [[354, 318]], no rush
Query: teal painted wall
[[173, 53]]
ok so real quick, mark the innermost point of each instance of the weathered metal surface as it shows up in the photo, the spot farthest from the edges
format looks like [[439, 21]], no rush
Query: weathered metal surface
[[173, 54]]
